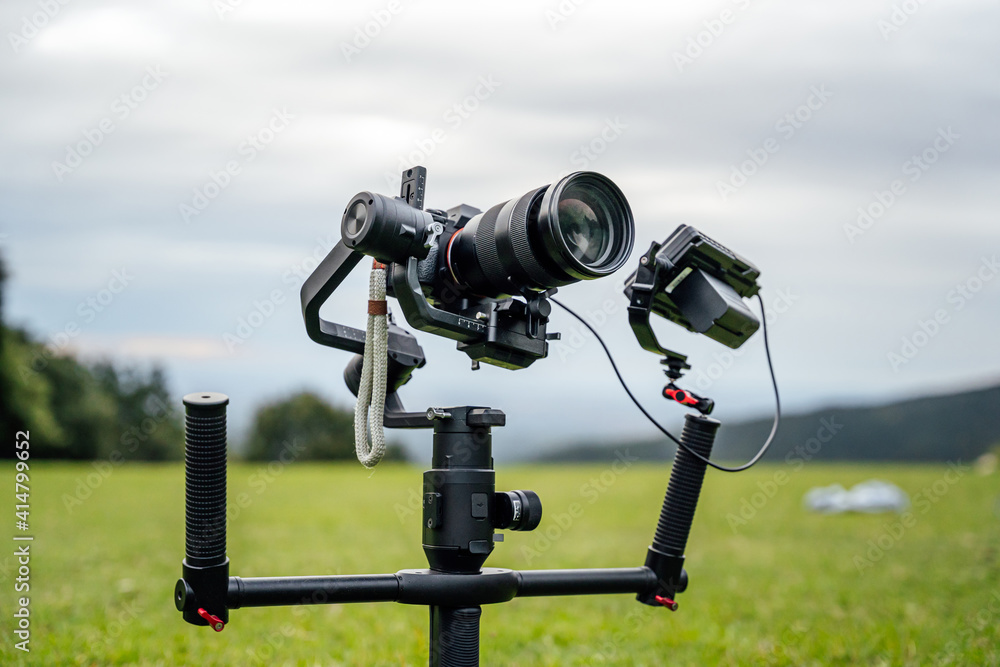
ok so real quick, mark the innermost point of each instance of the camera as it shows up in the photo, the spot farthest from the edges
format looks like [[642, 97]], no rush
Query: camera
[[481, 278]]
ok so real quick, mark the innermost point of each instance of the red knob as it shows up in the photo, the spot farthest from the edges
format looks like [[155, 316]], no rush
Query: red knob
[[213, 621], [667, 602]]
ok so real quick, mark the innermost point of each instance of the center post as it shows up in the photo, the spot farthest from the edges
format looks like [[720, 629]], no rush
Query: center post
[[458, 494]]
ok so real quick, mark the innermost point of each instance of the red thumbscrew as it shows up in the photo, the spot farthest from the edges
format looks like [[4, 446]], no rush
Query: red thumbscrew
[[214, 621], [688, 398], [667, 602], [679, 395]]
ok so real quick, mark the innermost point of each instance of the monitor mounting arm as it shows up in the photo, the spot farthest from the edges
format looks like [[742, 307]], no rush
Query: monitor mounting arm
[[405, 353], [646, 283]]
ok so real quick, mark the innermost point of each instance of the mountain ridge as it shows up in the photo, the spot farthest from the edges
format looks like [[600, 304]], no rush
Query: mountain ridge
[[957, 426]]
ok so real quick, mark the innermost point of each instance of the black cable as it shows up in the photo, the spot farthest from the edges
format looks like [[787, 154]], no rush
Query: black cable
[[774, 382]]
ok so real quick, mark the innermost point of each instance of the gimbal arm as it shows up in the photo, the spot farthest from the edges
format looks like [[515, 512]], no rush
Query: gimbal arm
[[405, 353], [206, 592], [318, 287], [331, 272]]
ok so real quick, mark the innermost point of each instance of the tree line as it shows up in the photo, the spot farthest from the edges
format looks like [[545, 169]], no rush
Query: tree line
[[79, 410]]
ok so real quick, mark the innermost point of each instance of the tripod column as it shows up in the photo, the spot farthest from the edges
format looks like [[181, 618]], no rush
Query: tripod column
[[458, 522], [458, 490], [455, 636]]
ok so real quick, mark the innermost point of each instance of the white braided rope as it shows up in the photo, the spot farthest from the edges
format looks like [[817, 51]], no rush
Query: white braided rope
[[371, 393]]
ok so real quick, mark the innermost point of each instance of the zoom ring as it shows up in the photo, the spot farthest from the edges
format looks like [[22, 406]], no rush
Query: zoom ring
[[486, 248], [519, 241]]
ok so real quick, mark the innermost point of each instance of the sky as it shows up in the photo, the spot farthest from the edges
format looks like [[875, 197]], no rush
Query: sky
[[170, 171]]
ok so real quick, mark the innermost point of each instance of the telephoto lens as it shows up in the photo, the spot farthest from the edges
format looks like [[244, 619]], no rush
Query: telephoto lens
[[578, 228]]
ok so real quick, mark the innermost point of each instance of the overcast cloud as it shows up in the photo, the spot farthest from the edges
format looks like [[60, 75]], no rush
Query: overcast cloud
[[765, 124]]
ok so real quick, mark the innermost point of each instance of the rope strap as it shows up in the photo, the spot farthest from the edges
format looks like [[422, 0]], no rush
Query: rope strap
[[371, 393]]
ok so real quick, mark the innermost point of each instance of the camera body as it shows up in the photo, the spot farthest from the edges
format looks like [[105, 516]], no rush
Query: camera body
[[499, 330], [479, 278]]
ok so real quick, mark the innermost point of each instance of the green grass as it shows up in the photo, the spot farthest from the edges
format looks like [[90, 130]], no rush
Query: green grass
[[786, 588]]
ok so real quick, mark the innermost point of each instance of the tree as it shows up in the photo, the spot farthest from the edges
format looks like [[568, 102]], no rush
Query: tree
[[73, 411], [304, 427], [147, 422], [85, 414], [24, 395]]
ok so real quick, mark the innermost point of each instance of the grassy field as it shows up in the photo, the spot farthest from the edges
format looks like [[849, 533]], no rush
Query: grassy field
[[776, 586]]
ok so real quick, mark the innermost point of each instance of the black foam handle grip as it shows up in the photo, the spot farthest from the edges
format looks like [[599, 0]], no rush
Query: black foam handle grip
[[205, 478], [205, 581], [685, 486]]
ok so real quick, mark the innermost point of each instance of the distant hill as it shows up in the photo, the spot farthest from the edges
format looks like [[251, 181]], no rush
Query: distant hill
[[951, 427]]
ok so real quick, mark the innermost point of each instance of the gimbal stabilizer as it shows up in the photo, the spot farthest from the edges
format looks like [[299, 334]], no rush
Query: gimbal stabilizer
[[461, 508]]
